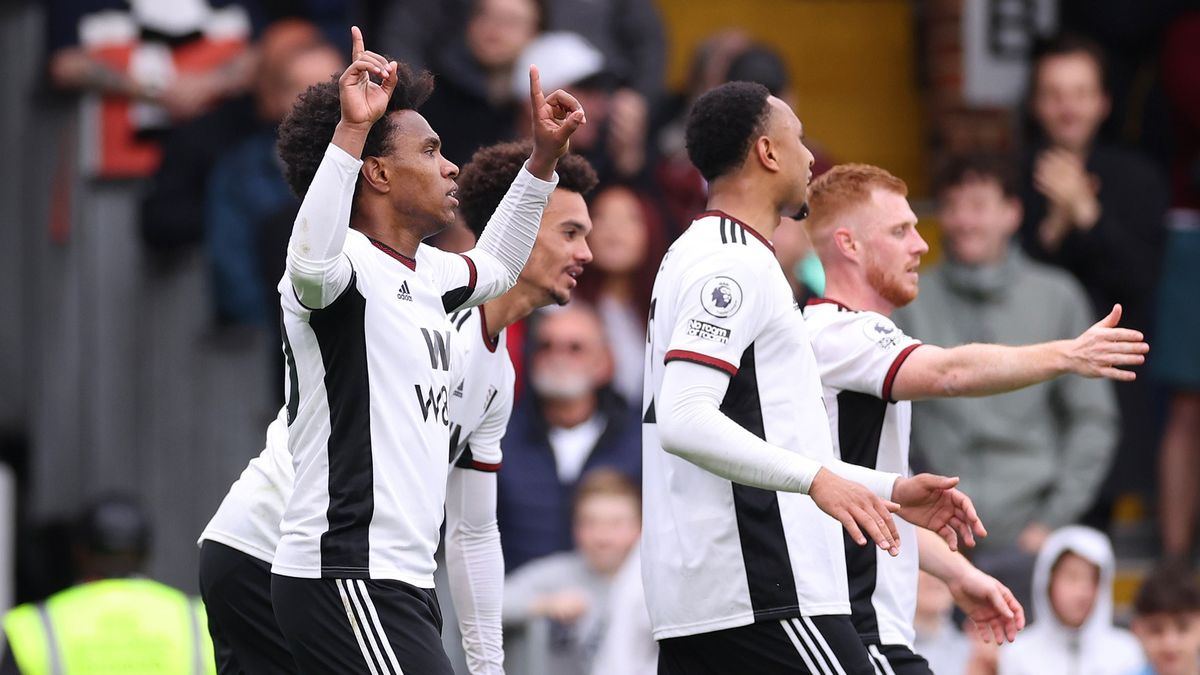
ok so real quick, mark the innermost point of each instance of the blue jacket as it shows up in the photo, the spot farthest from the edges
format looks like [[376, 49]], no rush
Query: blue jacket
[[533, 507]]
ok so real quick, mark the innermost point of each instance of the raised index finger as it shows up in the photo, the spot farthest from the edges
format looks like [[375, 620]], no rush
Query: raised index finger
[[535, 89], [356, 43]]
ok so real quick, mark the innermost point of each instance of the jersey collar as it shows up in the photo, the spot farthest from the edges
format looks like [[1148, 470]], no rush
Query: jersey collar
[[410, 263], [749, 230], [828, 301]]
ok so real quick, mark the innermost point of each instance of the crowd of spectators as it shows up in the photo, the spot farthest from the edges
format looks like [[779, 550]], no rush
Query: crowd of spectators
[[1035, 247]]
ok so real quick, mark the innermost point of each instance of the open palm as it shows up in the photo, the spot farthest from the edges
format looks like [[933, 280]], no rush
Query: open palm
[[364, 101], [933, 503]]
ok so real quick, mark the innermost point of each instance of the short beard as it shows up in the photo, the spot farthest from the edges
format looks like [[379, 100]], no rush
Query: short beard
[[896, 292]]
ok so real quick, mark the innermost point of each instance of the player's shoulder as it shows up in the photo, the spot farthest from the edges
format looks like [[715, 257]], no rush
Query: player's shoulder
[[699, 254], [432, 255], [829, 321], [474, 334]]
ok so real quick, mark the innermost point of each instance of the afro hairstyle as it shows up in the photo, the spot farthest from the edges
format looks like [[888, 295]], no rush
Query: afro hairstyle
[[308, 128]]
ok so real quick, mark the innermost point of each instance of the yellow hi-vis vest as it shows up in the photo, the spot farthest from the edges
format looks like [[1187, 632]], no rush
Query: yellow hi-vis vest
[[125, 626]]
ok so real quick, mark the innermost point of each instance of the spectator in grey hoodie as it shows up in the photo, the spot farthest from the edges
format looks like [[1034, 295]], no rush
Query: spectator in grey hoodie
[[1032, 460]]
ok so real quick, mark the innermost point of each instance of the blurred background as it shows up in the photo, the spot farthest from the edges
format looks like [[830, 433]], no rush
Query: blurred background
[[143, 219]]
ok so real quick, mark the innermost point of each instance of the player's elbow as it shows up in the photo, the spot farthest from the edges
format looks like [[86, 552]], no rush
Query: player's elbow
[[467, 531], [676, 431]]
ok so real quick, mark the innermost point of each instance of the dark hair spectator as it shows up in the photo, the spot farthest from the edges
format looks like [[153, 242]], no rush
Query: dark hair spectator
[[959, 169], [628, 236], [1096, 210]]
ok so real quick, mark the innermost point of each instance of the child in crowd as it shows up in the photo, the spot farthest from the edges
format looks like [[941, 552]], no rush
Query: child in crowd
[[592, 596], [1167, 622], [1073, 629]]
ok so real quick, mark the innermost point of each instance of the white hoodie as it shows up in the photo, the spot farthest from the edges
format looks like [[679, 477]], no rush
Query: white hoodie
[[1048, 647]]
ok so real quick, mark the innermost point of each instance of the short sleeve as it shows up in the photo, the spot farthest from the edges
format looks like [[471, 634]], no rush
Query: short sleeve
[[455, 275], [859, 351], [722, 307]]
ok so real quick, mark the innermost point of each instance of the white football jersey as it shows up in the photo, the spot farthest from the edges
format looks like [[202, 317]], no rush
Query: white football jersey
[[716, 554], [859, 354], [482, 402], [248, 518]]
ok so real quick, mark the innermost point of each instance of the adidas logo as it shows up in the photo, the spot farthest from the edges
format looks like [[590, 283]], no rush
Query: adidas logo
[[458, 393], [403, 293]]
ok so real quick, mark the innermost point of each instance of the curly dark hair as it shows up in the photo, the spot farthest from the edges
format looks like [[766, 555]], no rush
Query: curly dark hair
[[486, 178], [308, 128], [723, 124]]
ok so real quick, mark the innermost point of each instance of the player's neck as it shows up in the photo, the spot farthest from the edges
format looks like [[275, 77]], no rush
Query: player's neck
[[856, 294], [743, 204], [378, 222], [511, 307]]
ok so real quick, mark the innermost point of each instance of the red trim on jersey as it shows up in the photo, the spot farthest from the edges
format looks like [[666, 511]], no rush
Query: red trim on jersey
[[702, 359], [483, 330], [890, 378], [747, 228], [410, 263], [484, 466], [474, 274], [827, 301]]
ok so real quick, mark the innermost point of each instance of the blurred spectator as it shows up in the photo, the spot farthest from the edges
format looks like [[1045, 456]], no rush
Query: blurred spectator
[[1166, 622], [1073, 631], [629, 34], [474, 94], [593, 594], [1097, 211], [614, 139], [571, 423], [1032, 460], [114, 620], [247, 191], [627, 234], [154, 64], [173, 211], [1177, 360], [945, 647]]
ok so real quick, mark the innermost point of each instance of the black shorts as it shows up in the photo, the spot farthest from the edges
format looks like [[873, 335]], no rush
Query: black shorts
[[820, 645], [897, 660], [236, 588], [368, 626]]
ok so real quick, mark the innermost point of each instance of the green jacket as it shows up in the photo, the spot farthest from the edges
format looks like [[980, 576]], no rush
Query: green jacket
[[127, 626]]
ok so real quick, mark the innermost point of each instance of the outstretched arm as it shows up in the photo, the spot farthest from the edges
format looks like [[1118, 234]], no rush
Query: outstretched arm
[[985, 369], [315, 265], [504, 246], [987, 602]]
